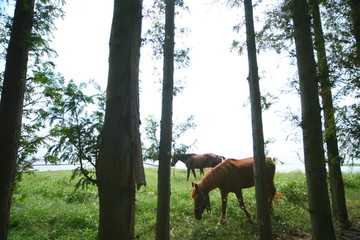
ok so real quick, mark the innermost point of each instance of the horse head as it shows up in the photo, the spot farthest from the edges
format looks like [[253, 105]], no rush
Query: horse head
[[201, 201], [174, 160]]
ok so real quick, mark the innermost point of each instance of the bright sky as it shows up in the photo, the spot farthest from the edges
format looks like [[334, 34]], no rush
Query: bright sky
[[216, 86]]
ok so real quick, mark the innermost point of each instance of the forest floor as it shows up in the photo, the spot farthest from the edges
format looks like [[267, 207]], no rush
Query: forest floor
[[352, 233]]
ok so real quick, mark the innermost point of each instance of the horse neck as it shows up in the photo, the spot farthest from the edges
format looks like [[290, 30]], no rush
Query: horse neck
[[184, 157], [210, 181]]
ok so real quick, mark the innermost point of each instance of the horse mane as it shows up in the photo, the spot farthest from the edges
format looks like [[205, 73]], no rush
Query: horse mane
[[181, 155], [192, 194], [200, 183], [209, 179]]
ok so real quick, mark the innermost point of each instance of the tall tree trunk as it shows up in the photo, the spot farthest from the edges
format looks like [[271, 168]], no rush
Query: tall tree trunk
[[163, 205], [262, 206], [319, 203], [120, 164], [11, 106], [333, 161]]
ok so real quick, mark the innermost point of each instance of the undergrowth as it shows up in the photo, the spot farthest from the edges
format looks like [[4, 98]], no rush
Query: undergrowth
[[46, 205]]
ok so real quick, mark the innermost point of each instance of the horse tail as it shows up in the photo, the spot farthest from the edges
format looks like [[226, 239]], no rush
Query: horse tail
[[278, 196]]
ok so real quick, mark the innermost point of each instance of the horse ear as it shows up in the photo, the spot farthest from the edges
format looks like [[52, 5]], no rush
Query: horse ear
[[194, 185]]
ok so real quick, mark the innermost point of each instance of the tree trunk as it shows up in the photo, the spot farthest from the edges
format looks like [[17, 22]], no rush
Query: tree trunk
[[319, 204], [11, 106], [262, 206], [333, 161], [120, 164], [163, 205]]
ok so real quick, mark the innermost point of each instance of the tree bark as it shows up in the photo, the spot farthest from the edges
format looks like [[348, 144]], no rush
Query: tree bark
[[120, 163], [262, 206], [11, 106], [333, 158], [163, 205], [319, 203]]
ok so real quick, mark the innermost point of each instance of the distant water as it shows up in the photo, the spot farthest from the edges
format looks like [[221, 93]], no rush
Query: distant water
[[288, 167], [54, 167]]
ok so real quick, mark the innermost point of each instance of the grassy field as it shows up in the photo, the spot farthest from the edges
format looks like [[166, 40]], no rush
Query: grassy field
[[47, 206]]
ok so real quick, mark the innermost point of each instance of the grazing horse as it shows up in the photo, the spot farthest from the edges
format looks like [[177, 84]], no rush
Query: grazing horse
[[230, 176], [200, 161]]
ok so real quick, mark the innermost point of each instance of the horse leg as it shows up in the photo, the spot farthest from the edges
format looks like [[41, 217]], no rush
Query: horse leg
[[188, 174], [223, 208], [201, 171], [242, 204], [193, 171]]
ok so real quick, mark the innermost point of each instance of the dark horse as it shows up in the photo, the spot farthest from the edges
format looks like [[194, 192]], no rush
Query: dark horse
[[230, 176], [200, 161]]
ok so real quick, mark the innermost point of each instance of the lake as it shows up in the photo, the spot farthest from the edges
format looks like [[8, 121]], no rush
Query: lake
[[287, 167]]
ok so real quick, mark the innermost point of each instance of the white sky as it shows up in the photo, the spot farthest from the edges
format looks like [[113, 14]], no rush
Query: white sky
[[216, 88]]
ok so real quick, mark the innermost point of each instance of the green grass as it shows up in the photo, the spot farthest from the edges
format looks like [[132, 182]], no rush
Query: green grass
[[47, 206]]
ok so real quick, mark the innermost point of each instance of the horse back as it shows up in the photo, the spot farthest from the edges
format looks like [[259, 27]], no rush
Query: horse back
[[196, 161], [203, 161], [249, 162], [238, 174]]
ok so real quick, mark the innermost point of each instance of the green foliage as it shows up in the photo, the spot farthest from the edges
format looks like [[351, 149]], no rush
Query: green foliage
[[154, 36], [151, 141], [345, 74], [341, 47], [45, 15], [277, 34], [33, 134], [179, 131], [348, 129], [45, 206], [267, 100], [277, 31], [38, 79], [61, 118], [70, 118], [5, 26], [152, 136], [75, 121]]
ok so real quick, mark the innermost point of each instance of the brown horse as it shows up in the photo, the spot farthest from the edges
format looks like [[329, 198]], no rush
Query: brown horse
[[199, 161], [230, 176]]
